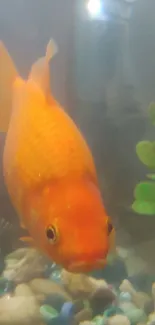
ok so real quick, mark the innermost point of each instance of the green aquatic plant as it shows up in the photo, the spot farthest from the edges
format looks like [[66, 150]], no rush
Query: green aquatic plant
[[144, 192]]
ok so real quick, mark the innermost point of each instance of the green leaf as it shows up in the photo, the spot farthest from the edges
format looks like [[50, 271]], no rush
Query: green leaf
[[146, 152], [151, 176], [140, 207], [145, 191], [151, 110]]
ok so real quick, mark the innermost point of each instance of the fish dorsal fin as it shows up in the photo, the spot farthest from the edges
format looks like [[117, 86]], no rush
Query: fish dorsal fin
[[40, 72], [8, 74]]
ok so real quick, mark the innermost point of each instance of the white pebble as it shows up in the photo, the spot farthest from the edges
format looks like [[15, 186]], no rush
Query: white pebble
[[19, 310]]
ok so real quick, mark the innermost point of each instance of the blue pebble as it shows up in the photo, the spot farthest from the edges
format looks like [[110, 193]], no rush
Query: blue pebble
[[51, 316], [67, 310], [125, 297]]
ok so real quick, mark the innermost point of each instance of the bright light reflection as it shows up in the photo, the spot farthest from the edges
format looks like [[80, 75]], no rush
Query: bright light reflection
[[94, 7]]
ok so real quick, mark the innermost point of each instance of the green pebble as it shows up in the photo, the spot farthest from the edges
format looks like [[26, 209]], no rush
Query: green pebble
[[99, 320], [136, 316], [48, 312], [113, 310]]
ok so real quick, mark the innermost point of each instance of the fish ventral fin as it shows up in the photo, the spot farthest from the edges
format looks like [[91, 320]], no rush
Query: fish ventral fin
[[40, 71], [22, 225], [27, 240], [8, 74]]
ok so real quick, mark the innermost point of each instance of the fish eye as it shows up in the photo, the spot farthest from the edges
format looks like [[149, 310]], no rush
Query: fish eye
[[52, 234], [110, 227]]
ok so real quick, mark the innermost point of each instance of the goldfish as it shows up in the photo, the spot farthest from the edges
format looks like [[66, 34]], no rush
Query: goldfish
[[49, 170]]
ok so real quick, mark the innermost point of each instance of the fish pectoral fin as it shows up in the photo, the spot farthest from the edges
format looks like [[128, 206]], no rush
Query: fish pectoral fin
[[22, 225], [28, 240], [40, 72], [8, 74]]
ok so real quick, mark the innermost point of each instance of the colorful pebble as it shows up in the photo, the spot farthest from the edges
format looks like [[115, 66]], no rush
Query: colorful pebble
[[125, 296], [48, 312]]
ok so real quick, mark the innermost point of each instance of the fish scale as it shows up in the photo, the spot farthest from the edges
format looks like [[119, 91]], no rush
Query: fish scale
[[36, 156]]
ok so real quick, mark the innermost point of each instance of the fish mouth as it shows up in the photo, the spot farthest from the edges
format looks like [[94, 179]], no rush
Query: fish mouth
[[84, 266]]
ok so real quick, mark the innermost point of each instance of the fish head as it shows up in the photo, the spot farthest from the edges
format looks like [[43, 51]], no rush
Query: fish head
[[77, 228]]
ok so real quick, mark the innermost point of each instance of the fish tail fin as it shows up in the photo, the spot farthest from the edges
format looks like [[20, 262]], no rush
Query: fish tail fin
[[40, 73], [8, 74]]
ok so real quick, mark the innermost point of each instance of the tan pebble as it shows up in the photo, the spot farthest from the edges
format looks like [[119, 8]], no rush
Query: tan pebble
[[140, 299], [80, 285], [126, 306], [151, 317], [98, 283], [18, 253], [40, 298], [10, 263], [29, 266], [153, 293], [86, 322], [47, 287], [118, 320], [153, 289], [23, 290], [126, 286], [83, 315]]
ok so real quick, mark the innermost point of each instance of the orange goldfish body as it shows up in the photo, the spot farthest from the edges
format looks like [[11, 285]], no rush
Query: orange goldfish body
[[49, 170]]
